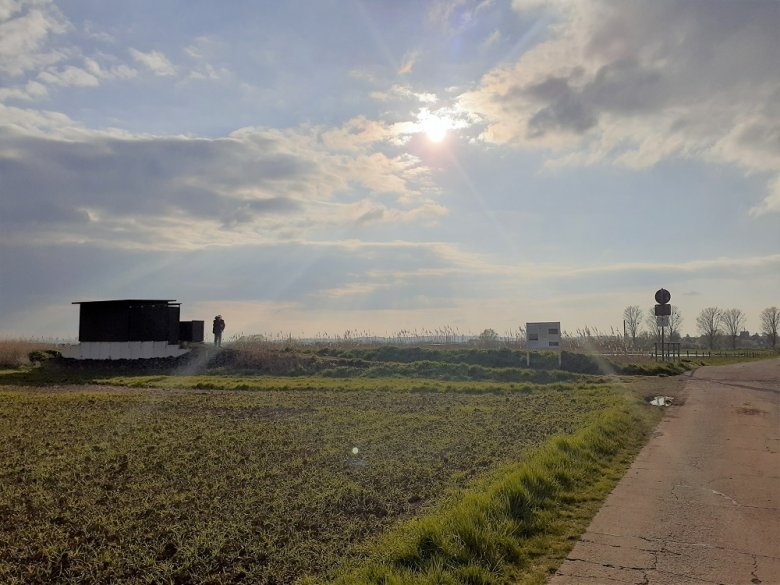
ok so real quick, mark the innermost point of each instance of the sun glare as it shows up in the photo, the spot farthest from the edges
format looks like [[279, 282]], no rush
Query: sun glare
[[435, 128]]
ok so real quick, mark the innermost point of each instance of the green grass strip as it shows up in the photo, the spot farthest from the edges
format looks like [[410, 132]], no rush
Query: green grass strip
[[43, 377], [518, 527]]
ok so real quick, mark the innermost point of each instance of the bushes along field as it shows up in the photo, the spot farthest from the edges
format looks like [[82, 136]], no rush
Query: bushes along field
[[377, 362]]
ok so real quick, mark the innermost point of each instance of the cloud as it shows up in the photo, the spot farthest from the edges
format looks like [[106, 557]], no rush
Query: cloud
[[736, 269], [309, 285], [635, 83], [356, 133], [89, 75], [341, 281], [91, 30], [293, 272], [69, 184], [771, 204], [403, 93], [33, 63], [203, 51], [25, 28], [202, 47], [37, 123], [207, 72], [109, 71], [155, 61], [69, 77], [32, 90]]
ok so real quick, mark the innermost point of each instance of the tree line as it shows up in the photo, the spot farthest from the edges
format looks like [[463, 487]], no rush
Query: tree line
[[712, 323]]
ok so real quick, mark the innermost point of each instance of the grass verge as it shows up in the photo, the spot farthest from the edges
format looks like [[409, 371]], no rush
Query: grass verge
[[519, 526]]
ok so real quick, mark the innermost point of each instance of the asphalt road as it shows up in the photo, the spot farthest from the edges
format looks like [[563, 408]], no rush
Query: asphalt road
[[701, 503]]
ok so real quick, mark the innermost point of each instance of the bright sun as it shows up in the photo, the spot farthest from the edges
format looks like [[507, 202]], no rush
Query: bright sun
[[435, 128]]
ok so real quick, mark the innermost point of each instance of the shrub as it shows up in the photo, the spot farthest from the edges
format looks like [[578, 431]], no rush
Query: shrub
[[38, 356]]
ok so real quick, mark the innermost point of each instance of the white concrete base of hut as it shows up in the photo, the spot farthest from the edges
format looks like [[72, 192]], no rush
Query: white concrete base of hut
[[122, 350]]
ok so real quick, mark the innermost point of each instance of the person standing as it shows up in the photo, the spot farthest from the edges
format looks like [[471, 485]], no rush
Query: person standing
[[218, 327]]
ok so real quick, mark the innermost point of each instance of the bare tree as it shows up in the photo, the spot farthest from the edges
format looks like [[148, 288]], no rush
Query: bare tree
[[488, 338], [632, 315], [770, 323], [708, 323], [734, 322], [675, 321], [652, 324]]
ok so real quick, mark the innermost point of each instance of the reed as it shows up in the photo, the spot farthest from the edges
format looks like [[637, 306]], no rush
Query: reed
[[14, 353]]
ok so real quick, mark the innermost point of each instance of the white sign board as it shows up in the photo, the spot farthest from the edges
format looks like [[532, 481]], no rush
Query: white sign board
[[544, 336]]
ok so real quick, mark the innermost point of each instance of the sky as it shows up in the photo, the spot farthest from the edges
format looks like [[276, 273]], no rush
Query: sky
[[316, 167]]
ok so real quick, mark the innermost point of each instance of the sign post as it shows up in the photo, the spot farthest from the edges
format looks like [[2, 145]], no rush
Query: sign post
[[663, 311]]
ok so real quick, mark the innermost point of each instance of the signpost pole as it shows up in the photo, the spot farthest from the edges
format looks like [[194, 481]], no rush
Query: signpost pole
[[663, 351], [662, 311]]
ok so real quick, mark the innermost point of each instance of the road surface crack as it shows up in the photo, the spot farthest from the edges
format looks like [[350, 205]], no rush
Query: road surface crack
[[754, 573], [610, 565]]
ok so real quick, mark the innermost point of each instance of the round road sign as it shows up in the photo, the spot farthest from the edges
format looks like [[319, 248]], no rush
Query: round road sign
[[662, 296]]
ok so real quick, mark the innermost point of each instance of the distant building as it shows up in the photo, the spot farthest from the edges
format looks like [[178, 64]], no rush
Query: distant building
[[132, 329]]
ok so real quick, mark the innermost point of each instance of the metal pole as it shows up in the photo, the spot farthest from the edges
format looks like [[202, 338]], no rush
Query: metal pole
[[663, 353]]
